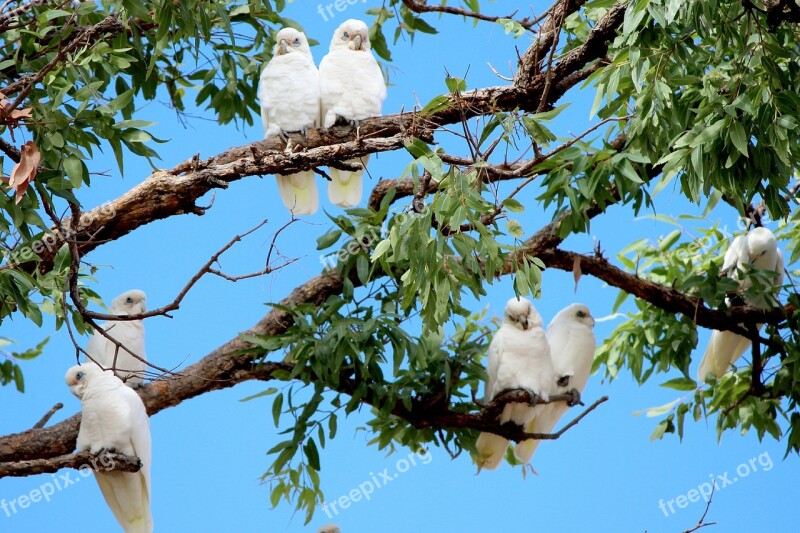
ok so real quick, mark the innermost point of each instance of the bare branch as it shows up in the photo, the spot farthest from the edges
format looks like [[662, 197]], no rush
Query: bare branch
[[48, 415], [421, 6], [702, 522]]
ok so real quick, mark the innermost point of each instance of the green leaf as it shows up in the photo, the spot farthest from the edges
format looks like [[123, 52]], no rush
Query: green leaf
[[277, 405], [680, 384], [268, 392], [513, 205], [312, 454], [380, 249], [328, 239], [75, 169], [512, 26], [738, 137], [514, 229]]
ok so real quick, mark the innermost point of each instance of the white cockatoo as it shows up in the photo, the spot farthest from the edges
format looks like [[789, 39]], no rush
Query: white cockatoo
[[572, 346], [351, 87], [130, 335], [757, 249], [519, 358], [289, 96], [114, 419]]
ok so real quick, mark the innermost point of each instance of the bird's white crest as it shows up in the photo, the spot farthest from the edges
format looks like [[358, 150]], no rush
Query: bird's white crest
[[756, 249], [128, 360], [351, 87], [113, 418], [289, 94], [572, 344], [519, 358]]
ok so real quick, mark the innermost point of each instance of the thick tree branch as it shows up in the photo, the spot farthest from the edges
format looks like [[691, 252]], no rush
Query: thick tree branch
[[104, 462], [663, 296]]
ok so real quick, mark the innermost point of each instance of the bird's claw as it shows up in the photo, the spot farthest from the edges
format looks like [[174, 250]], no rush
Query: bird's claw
[[533, 395], [102, 451], [576, 398]]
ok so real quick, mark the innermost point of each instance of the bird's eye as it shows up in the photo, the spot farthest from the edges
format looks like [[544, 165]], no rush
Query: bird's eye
[[128, 300], [581, 314], [345, 36], [296, 42], [79, 376]]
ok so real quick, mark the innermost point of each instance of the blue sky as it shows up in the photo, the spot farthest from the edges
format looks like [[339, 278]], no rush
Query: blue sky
[[209, 452]]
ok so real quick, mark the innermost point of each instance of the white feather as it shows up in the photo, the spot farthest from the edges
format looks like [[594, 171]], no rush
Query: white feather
[[352, 87], [129, 333], [289, 95], [519, 358], [572, 345], [113, 418], [757, 249]]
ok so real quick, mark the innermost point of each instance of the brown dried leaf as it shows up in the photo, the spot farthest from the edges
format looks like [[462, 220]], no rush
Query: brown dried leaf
[[19, 114], [13, 117], [24, 171], [576, 271]]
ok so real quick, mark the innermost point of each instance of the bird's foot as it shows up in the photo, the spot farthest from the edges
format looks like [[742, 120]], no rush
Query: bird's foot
[[103, 450], [576, 398], [342, 121], [533, 395]]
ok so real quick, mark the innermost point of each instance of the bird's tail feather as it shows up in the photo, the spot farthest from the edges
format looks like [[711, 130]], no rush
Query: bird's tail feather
[[491, 450], [724, 348], [299, 192], [345, 186], [524, 450]]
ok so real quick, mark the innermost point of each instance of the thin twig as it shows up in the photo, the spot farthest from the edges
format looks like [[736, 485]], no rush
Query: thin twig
[[48, 415]]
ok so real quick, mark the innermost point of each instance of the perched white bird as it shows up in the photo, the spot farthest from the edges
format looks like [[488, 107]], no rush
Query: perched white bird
[[289, 95], [757, 249], [129, 333], [113, 418], [572, 346], [519, 358], [351, 87]]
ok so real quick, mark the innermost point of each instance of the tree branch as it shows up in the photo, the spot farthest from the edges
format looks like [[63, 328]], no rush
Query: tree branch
[[421, 6], [663, 296], [104, 462]]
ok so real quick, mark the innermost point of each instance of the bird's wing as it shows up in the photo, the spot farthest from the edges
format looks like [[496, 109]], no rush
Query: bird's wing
[[723, 349], [735, 256], [495, 357], [131, 336], [288, 92]]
